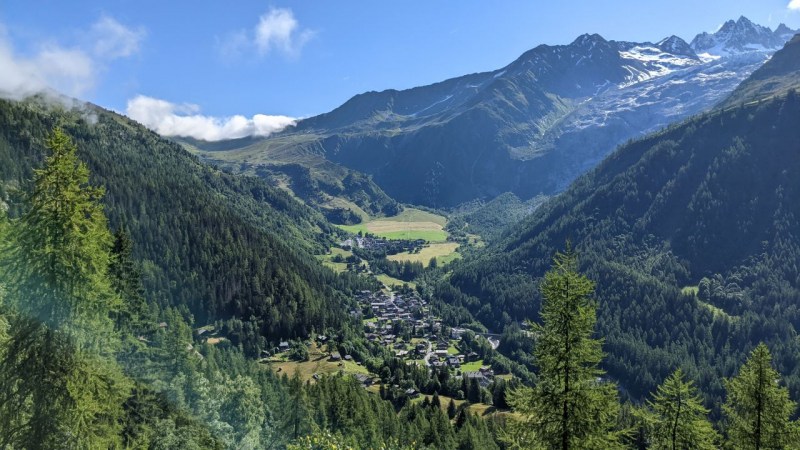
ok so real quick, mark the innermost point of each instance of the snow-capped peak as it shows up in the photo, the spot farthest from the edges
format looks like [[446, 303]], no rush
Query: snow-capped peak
[[735, 37], [676, 46], [588, 40]]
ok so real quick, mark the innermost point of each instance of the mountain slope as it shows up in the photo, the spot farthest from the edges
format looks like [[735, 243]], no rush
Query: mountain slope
[[219, 246], [530, 127], [776, 77], [342, 195], [691, 236]]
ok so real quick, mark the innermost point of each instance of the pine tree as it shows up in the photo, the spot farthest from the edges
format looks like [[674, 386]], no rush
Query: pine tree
[[451, 409], [570, 407], [757, 408], [680, 418]]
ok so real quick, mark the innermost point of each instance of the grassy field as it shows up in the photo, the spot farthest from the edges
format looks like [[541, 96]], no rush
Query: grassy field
[[443, 252], [389, 281], [318, 363], [409, 224], [473, 366], [327, 260]]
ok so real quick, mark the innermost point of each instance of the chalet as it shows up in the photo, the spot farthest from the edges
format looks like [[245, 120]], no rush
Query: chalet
[[336, 356], [453, 362], [455, 332], [472, 356], [322, 338], [366, 380], [412, 393], [283, 346], [441, 353], [478, 376], [348, 358]]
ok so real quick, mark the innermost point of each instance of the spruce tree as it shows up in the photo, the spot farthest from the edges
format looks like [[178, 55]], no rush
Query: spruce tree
[[757, 409], [680, 418], [570, 407], [451, 409]]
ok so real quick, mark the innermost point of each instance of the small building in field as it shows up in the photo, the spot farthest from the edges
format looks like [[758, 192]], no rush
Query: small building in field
[[336, 356]]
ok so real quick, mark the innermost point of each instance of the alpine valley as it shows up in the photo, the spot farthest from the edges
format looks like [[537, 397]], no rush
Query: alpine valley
[[595, 246]]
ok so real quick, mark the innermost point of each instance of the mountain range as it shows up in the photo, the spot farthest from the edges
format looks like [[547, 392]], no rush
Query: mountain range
[[529, 128]]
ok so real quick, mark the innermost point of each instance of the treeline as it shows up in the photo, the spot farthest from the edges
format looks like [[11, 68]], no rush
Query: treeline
[[86, 362]]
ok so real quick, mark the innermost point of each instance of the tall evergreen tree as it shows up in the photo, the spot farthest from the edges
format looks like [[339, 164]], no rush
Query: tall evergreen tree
[[126, 280], [680, 418], [757, 408], [59, 388], [570, 407], [59, 265]]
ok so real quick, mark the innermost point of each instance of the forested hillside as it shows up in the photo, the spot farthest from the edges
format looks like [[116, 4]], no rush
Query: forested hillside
[[86, 362], [221, 246], [691, 237]]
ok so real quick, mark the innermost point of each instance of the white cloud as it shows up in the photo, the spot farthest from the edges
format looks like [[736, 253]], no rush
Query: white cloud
[[794, 5], [71, 71], [276, 30], [113, 40], [279, 29], [185, 120]]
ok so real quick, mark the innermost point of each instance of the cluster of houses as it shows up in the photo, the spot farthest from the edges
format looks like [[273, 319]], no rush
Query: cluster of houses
[[391, 312]]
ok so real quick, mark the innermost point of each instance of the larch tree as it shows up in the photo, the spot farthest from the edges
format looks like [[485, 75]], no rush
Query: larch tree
[[59, 384], [571, 406], [757, 408], [680, 421]]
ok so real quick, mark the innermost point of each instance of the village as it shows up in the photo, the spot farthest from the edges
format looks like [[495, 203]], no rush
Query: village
[[402, 321]]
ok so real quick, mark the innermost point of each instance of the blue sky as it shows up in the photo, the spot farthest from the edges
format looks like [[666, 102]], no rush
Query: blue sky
[[298, 59]]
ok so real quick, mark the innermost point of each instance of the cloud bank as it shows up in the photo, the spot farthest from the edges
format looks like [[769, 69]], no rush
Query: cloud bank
[[277, 30], [185, 120], [72, 71], [794, 5]]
